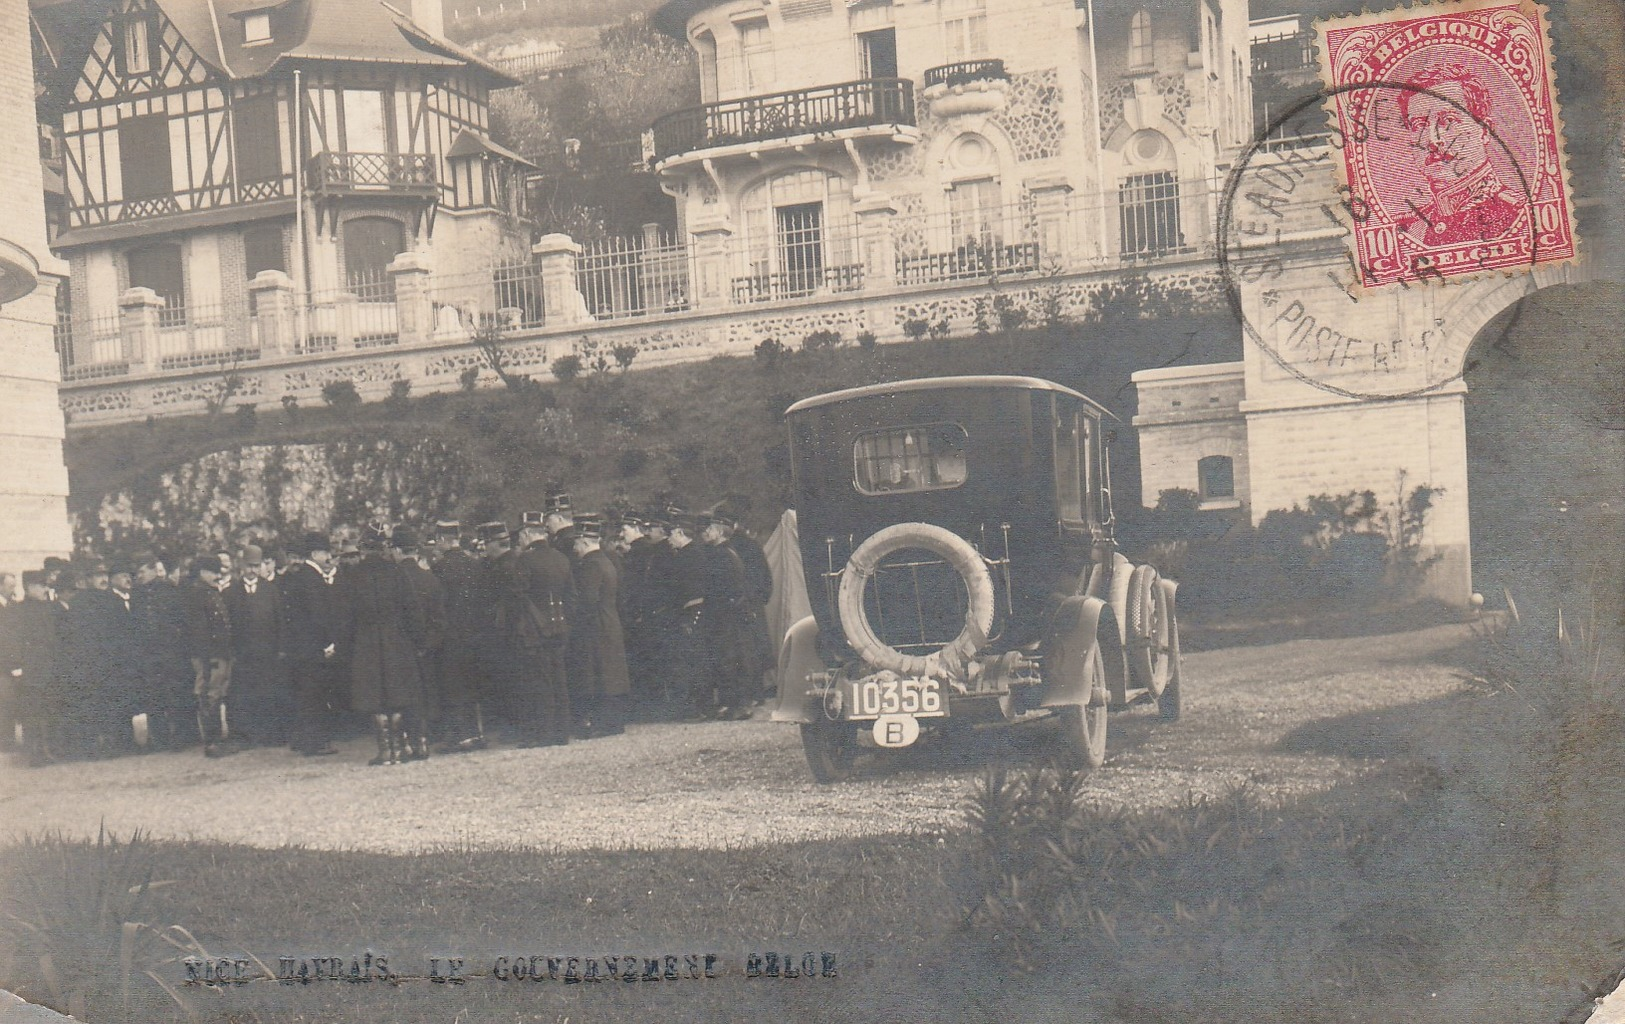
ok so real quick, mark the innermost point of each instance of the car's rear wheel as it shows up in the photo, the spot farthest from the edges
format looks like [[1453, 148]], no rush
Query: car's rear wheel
[[1083, 726], [831, 748]]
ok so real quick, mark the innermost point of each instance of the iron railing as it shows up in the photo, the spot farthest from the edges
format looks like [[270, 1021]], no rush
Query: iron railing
[[864, 103], [967, 71], [412, 173], [639, 276], [797, 283], [1283, 53]]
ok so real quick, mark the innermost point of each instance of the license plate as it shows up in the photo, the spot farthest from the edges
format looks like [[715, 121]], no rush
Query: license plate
[[871, 698]]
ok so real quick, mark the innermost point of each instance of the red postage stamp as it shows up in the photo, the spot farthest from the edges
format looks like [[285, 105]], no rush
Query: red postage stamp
[[1451, 140]]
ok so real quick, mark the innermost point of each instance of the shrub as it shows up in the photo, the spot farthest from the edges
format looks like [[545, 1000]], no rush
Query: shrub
[[769, 351], [469, 379], [821, 339], [290, 408], [247, 417], [915, 328], [867, 339], [624, 355], [400, 394], [567, 368], [981, 318], [939, 330], [341, 395], [1009, 313]]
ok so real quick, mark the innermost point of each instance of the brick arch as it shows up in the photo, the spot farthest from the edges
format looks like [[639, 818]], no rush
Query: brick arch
[[1474, 306]]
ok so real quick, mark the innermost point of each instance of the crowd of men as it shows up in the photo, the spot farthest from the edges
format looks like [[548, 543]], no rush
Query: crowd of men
[[543, 633]]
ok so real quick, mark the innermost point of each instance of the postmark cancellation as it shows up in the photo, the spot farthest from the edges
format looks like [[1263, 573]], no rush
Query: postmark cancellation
[[1453, 164]]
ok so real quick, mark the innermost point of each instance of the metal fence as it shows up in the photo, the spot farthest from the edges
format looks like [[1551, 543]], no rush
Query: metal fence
[[636, 276], [507, 294], [966, 244]]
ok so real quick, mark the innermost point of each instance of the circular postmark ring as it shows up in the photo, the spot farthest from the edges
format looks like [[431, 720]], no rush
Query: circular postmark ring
[[1226, 247]]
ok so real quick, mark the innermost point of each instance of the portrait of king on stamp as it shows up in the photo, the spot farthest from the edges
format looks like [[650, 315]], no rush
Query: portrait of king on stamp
[[1453, 162]]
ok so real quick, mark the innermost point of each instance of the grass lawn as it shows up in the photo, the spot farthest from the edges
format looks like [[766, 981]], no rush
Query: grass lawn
[[1427, 892]]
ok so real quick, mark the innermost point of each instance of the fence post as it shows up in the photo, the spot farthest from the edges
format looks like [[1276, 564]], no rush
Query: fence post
[[711, 278], [414, 312], [561, 296], [270, 295], [138, 325], [1052, 207], [876, 216], [345, 313]]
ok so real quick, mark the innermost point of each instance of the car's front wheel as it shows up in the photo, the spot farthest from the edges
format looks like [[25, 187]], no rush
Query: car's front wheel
[[831, 748]]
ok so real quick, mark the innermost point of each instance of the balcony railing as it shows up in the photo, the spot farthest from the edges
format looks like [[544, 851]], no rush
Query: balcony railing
[[1284, 53], [966, 72], [872, 101], [409, 173]]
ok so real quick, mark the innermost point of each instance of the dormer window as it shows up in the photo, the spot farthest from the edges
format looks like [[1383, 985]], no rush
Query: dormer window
[[257, 27], [137, 49]]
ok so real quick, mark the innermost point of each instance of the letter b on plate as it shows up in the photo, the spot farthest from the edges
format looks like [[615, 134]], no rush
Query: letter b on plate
[[896, 730]]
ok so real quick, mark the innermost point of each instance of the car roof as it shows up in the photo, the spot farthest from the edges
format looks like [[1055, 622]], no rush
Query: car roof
[[941, 384]]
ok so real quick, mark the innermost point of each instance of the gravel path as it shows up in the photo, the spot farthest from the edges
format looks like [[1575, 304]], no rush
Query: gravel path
[[717, 785]]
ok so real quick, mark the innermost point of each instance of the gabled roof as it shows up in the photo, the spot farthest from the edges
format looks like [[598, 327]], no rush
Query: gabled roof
[[472, 143]]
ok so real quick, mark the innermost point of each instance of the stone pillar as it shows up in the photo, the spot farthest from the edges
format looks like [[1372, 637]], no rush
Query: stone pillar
[[344, 313], [561, 297], [414, 310], [712, 276], [1052, 200], [138, 324], [876, 220], [271, 297]]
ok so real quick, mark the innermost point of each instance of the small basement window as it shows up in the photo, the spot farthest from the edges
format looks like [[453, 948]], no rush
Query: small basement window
[[902, 460]]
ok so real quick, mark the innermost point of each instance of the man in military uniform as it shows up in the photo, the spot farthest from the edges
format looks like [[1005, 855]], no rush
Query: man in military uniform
[[724, 621], [462, 673], [604, 682], [430, 597], [381, 629], [762, 647], [539, 603], [687, 662], [310, 611], [557, 520], [208, 645]]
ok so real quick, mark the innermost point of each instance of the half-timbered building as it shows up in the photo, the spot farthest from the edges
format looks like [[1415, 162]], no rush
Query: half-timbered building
[[187, 172]]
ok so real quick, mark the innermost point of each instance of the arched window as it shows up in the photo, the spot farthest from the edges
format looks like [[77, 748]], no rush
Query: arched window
[[1216, 478], [370, 246], [160, 266], [705, 44], [799, 235], [1139, 49], [964, 29]]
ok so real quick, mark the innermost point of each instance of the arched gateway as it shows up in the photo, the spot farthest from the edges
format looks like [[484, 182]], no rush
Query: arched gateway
[[1340, 388]]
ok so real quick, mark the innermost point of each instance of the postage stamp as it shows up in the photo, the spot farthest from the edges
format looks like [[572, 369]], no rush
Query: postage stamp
[[1455, 162]]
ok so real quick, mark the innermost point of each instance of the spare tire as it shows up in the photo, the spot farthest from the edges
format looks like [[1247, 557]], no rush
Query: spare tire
[[959, 554]]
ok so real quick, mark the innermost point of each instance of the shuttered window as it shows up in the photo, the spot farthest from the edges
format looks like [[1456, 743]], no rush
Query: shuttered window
[[258, 143]]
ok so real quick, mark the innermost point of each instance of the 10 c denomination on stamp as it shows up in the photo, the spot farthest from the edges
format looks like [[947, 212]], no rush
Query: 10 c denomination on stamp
[[1454, 163]]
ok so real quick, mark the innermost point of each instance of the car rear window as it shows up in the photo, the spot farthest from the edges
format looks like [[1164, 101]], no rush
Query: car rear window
[[900, 460]]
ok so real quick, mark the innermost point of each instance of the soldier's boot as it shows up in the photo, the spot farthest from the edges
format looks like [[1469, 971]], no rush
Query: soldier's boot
[[418, 724], [402, 743], [386, 741]]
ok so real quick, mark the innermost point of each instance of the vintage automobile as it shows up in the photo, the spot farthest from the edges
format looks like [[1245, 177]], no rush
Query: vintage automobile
[[956, 538]]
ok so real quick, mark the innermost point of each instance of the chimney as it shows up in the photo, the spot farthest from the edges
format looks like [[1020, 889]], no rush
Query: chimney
[[429, 15]]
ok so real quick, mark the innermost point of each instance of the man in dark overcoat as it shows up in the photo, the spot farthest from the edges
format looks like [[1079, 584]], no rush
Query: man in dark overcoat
[[642, 591], [758, 591], [683, 581], [259, 693], [207, 640], [596, 634], [95, 643], [381, 630], [34, 665], [463, 682], [310, 613], [164, 669], [430, 597], [538, 605]]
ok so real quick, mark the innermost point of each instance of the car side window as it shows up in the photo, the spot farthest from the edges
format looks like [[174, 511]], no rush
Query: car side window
[[1071, 437], [928, 457]]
